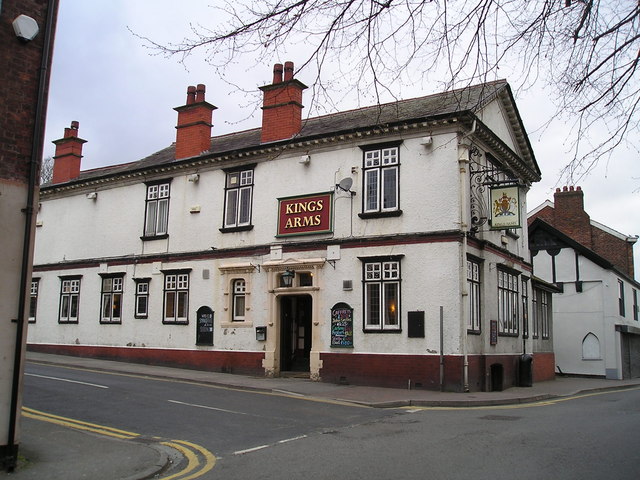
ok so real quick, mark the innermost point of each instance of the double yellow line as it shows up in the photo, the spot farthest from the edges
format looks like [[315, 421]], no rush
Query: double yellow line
[[199, 459]]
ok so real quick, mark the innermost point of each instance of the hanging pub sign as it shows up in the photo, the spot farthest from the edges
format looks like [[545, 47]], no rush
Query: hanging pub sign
[[505, 207], [342, 325], [305, 215]]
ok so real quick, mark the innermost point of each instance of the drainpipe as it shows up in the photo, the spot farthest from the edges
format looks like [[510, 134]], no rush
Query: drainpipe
[[463, 162], [36, 155]]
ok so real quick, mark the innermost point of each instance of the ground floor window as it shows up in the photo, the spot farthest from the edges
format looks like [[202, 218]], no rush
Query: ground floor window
[[111, 303], [239, 295], [473, 287], [69, 299], [544, 314], [33, 299], [142, 298], [176, 297], [507, 303], [381, 294]]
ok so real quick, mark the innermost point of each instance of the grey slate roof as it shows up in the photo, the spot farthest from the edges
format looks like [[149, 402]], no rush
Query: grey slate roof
[[432, 107]]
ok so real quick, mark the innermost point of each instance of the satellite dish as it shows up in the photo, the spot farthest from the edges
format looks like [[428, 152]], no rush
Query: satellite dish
[[345, 184]]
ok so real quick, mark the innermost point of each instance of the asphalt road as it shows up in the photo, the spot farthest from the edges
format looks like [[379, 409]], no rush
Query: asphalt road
[[262, 436]]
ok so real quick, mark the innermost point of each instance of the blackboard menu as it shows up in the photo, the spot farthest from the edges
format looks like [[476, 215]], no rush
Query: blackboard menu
[[204, 326], [342, 326]]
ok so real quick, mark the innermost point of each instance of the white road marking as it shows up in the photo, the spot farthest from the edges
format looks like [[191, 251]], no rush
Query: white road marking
[[261, 447], [66, 380], [207, 407]]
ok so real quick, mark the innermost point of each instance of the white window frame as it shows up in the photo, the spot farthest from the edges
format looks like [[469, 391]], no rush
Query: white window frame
[[621, 305], [33, 299], [238, 198], [176, 298], [508, 303], [382, 310], [381, 165], [142, 293], [69, 308], [238, 300], [545, 315], [474, 323], [111, 299], [525, 307], [156, 219]]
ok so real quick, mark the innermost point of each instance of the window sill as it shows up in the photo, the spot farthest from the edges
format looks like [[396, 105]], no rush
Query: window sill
[[141, 317], [512, 335], [382, 331], [394, 213], [68, 322], [172, 322], [236, 324], [145, 238], [103, 322], [474, 332], [245, 228]]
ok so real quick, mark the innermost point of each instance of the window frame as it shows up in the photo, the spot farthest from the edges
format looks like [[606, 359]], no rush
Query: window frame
[[157, 193], [474, 290], [141, 295], [375, 172], [245, 184], [176, 285], [545, 322], [389, 274], [33, 299], [524, 295], [621, 306], [238, 292], [111, 288], [72, 295], [508, 302], [635, 304]]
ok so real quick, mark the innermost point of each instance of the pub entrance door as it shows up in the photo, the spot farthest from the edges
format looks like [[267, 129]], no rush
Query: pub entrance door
[[295, 332]]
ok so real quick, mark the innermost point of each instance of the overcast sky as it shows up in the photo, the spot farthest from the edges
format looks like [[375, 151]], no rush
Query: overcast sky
[[123, 96]]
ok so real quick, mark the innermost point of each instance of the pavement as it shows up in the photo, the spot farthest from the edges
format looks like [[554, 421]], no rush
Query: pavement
[[55, 451]]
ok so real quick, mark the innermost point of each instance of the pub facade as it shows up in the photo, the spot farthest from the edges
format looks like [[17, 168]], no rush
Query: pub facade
[[381, 246]]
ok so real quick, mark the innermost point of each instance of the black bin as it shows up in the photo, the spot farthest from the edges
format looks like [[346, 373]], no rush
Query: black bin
[[525, 370]]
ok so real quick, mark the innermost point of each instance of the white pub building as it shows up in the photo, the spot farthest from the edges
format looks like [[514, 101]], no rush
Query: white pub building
[[384, 246]]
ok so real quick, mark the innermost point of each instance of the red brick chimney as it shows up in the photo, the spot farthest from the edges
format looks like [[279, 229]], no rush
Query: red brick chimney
[[570, 216], [282, 105], [66, 161], [193, 132]]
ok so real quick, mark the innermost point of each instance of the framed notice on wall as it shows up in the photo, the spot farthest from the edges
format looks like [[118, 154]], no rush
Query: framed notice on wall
[[505, 207], [342, 326]]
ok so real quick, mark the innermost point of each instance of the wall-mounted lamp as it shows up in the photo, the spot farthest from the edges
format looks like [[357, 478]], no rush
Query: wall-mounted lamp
[[286, 279], [26, 28], [194, 178], [92, 195], [305, 159]]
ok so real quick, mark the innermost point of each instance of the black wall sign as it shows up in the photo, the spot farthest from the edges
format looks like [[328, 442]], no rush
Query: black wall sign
[[204, 326], [342, 326]]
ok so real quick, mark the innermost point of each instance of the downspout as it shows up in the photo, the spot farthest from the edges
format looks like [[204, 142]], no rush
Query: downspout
[[36, 155], [463, 162]]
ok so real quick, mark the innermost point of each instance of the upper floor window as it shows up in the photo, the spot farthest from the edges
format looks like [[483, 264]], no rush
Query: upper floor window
[[157, 209], [176, 297], [381, 294], [621, 298], [473, 286], [239, 295], [69, 299], [142, 298], [33, 299], [238, 197], [111, 303], [381, 181], [507, 303]]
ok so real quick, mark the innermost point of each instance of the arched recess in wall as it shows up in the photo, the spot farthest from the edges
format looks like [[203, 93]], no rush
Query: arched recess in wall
[[590, 347]]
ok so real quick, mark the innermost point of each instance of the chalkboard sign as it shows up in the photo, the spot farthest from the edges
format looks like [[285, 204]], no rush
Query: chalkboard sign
[[204, 326], [342, 326]]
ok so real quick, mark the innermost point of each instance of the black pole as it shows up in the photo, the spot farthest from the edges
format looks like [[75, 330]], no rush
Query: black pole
[[36, 154]]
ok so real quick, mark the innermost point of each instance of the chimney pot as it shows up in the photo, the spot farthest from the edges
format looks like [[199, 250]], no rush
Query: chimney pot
[[191, 95], [200, 89], [288, 71], [277, 73]]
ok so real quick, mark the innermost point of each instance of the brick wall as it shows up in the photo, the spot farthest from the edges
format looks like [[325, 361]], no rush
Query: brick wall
[[19, 88]]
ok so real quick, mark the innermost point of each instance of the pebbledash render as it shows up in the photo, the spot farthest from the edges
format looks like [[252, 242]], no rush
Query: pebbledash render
[[361, 247]]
